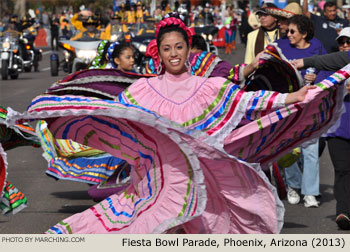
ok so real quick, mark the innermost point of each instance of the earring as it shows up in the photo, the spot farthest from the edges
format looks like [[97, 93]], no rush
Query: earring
[[159, 68], [188, 65]]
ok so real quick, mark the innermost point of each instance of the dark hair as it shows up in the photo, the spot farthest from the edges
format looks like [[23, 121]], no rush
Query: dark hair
[[105, 50], [199, 42], [328, 4], [171, 28], [120, 48], [304, 25]]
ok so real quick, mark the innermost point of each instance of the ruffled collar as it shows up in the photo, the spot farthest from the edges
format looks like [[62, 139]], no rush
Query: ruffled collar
[[178, 77]]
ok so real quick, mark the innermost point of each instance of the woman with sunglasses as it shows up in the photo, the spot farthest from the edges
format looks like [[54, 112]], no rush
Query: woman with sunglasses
[[299, 43]]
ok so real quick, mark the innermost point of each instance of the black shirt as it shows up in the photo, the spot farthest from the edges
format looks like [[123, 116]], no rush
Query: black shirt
[[325, 31]]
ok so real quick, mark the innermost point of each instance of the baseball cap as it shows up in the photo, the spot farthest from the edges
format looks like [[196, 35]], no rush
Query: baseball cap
[[344, 33]]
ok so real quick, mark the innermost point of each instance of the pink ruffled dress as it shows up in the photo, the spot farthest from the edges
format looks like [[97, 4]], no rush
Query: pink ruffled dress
[[187, 139], [213, 105]]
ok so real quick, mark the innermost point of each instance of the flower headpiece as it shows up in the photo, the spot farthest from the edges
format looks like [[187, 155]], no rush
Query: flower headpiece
[[98, 59], [174, 19], [110, 53]]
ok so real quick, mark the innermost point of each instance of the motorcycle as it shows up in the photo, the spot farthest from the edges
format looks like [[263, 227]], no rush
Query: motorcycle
[[78, 54], [30, 55], [117, 33], [208, 33], [144, 33], [11, 61]]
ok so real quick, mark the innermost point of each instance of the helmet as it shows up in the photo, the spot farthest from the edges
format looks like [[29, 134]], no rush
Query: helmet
[[116, 15], [13, 18], [91, 20]]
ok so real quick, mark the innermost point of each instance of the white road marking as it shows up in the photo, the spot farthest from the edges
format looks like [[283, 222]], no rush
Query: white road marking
[[45, 69], [46, 52]]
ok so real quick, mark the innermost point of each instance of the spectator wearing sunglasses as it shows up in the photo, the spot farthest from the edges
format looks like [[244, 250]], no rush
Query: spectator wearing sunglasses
[[298, 43], [266, 34]]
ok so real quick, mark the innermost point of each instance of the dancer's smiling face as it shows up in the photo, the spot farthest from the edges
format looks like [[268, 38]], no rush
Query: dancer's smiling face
[[173, 52]]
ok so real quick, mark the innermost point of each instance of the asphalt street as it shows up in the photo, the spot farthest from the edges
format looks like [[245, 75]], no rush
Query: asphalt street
[[50, 201]]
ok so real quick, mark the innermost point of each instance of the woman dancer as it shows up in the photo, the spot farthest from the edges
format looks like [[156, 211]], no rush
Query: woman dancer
[[11, 200], [171, 160]]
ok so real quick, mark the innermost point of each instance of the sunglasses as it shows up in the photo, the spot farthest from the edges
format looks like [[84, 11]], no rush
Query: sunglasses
[[262, 14], [291, 31], [343, 41]]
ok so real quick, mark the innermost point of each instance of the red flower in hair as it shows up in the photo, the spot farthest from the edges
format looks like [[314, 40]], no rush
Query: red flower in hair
[[152, 51]]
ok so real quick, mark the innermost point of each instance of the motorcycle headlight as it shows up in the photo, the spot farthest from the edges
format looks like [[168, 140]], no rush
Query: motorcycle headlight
[[6, 45], [86, 54], [141, 47], [210, 37], [114, 37], [204, 36]]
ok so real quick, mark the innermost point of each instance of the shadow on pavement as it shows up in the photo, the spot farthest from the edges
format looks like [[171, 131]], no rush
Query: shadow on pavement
[[293, 225], [74, 195], [73, 209], [326, 193]]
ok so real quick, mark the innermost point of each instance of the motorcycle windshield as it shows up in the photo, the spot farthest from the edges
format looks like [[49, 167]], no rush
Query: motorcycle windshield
[[82, 45], [11, 36]]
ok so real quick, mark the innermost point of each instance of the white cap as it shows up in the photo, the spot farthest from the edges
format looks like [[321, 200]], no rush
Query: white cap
[[344, 33]]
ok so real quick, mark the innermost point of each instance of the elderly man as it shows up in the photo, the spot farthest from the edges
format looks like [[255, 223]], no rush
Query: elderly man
[[267, 33]]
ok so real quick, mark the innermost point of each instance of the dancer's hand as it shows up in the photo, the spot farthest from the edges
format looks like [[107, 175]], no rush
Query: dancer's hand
[[298, 63], [299, 95], [252, 66]]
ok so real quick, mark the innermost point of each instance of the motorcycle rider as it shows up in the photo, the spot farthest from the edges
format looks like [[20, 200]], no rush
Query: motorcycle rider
[[29, 27], [13, 27], [14, 30], [205, 17], [90, 24], [139, 13], [122, 13], [114, 26], [130, 13]]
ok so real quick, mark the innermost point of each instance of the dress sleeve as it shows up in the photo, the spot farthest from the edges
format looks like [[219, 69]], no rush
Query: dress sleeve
[[262, 102]]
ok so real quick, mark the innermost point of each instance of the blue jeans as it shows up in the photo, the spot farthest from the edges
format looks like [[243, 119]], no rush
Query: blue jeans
[[228, 38], [309, 180]]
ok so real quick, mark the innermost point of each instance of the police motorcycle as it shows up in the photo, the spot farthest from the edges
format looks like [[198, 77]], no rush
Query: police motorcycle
[[205, 28], [78, 54], [30, 55], [11, 61], [142, 34], [208, 33], [118, 29]]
